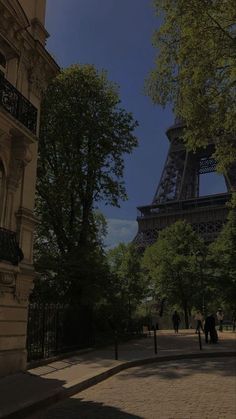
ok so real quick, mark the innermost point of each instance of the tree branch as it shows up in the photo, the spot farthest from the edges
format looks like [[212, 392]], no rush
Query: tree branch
[[220, 27]]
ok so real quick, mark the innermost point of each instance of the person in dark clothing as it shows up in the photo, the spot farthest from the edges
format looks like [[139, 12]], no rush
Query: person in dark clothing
[[234, 320], [176, 321], [209, 328]]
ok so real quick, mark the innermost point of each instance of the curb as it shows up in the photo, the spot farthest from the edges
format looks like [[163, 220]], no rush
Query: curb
[[76, 387]]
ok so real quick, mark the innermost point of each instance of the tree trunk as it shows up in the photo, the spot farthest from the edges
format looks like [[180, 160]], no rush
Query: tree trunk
[[87, 199], [186, 315], [85, 225]]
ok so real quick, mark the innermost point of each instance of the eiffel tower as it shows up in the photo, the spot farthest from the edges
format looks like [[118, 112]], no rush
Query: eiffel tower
[[177, 195]]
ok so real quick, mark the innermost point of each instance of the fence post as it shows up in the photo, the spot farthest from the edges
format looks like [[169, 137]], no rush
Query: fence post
[[43, 330], [116, 345], [28, 339], [155, 340], [200, 339]]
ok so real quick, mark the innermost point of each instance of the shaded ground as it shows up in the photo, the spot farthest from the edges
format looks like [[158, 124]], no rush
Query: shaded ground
[[193, 389], [42, 383]]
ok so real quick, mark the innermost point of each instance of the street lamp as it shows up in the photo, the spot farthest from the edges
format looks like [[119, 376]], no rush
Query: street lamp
[[200, 258]]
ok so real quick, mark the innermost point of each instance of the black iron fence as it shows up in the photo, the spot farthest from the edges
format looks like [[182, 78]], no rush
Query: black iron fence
[[17, 105], [9, 247], [54, 329]]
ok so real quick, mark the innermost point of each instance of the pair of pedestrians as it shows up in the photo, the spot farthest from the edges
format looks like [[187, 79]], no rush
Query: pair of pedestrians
[[176, 321], [209, 326], [198, 318]]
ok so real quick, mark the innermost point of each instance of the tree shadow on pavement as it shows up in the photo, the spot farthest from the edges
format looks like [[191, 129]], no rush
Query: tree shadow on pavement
[[20, 389], [224, 367], [78, 409]]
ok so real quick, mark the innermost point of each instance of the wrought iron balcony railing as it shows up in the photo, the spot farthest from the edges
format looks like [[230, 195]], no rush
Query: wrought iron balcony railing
[[9, 248], [17, 105]]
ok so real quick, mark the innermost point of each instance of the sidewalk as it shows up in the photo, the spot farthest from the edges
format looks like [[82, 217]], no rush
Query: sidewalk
[[24, 393]]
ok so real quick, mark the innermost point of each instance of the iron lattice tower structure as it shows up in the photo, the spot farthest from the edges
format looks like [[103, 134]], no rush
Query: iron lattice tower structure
[[177, 195]]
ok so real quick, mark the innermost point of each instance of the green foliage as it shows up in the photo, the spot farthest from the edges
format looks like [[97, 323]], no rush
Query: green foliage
[[173, 267], [232, 203], [84, 136], [196, 71], [85, 274], [129, 283], [222, 260]]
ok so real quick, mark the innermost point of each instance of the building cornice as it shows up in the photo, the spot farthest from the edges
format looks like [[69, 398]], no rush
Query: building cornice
[[19, 41], [16, 11]]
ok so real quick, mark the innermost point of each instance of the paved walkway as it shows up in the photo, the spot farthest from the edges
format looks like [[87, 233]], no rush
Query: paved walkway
[[44, 385], [189, 389]]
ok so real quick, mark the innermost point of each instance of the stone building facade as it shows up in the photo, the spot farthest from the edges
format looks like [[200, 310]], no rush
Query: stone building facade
[[25, 70]]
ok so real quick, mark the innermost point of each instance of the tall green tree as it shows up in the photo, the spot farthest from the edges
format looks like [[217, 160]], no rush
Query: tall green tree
[[222, 260], [196, 71], [83, 139], [172, 265], [131, 285]]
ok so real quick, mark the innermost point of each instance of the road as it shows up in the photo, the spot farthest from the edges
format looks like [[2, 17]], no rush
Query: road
[[191, 389]]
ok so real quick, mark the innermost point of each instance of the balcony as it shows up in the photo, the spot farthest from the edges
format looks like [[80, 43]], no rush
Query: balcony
[[9, 248], [17, 105]]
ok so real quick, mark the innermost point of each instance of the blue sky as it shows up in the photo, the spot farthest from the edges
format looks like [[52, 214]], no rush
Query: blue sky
[[116, 35]]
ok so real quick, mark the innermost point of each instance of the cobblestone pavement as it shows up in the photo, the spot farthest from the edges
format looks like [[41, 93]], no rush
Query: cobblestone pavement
[[191, 389]]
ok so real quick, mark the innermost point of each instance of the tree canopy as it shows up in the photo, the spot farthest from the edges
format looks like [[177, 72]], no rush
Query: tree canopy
[[83, 138], [222, 260], [196, 71], [173, 268], [125, 265]]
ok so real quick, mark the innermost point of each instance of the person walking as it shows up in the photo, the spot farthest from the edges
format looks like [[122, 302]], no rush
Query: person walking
[[234, 320], [199, 319], [220, 318], [209, 328], [176, 321]]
